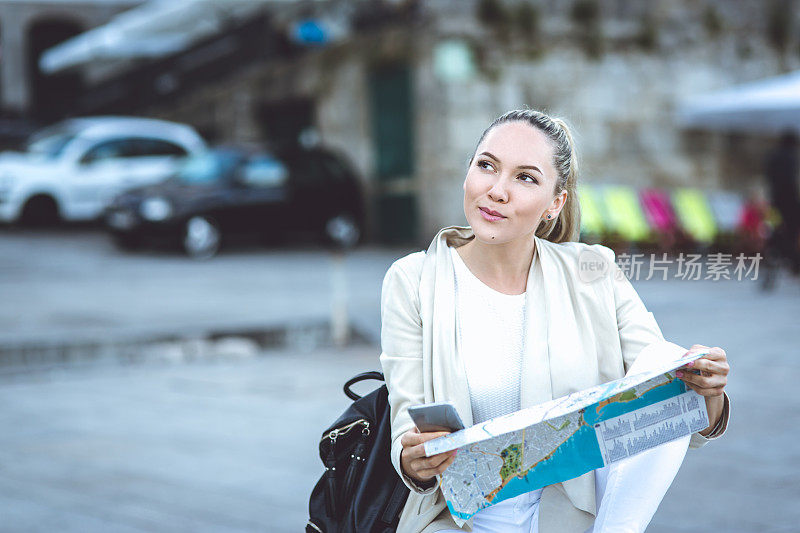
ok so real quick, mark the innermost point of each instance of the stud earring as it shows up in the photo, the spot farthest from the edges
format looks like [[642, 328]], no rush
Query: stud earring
[[549, 217]]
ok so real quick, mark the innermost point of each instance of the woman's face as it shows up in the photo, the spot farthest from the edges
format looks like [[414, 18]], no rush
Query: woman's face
[[512, 174]]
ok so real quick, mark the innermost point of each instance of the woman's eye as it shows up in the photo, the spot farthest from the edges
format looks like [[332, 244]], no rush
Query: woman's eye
[[530, 179]]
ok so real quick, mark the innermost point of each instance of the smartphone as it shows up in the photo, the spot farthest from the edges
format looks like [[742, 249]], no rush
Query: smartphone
[[439, 416]]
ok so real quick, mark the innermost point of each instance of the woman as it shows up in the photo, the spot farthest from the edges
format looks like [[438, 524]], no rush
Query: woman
[[498, 316]]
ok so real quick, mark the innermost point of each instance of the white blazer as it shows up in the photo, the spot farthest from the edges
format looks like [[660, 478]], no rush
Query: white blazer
[[592, 332]]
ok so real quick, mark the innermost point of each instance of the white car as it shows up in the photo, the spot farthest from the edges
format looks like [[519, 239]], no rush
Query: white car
[[72, 170]]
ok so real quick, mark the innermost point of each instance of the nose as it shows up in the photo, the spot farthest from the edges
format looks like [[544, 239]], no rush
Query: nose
[[498, 192]]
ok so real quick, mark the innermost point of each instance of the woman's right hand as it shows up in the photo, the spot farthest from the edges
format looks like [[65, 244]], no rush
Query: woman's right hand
[[412, 457]]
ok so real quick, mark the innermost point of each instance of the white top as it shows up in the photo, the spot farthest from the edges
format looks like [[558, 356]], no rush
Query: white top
[[490, 340]]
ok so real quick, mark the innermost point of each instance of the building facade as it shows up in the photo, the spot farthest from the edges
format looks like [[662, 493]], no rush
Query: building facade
[[406, 89]]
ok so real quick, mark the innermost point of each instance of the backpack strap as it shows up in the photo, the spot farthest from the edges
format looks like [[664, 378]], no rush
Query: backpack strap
[[372, 374], [396, 502]]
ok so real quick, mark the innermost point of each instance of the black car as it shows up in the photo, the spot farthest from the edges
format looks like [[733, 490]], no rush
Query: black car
[[229, 193]]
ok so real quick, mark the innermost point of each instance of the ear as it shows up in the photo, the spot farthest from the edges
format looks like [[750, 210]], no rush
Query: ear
[[558, 203]]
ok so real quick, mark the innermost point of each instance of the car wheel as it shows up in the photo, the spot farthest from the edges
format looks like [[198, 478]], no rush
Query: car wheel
[[201, 237], [342, 230], [39, 211]]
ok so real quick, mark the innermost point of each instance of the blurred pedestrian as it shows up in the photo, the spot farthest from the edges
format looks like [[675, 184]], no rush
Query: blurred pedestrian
[[495, 317], [754, 224], [781, 170]]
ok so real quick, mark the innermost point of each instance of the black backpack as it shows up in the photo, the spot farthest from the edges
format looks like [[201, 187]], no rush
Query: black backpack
[[360, 491]]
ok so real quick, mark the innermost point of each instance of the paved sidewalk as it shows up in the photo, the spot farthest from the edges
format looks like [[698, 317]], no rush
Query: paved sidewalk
[[212, 446], [230, 443]]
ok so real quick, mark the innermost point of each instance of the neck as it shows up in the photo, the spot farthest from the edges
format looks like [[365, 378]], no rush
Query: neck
[[501, 265]]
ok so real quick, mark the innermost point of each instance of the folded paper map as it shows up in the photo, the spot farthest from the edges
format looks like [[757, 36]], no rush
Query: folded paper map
[[567, 437]]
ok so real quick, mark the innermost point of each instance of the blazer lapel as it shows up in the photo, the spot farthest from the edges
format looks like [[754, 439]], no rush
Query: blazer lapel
[[449, 376], [536, 383]]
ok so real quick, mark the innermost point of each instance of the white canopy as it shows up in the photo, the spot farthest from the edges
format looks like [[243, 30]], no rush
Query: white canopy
[[154, 29], [770, 105]]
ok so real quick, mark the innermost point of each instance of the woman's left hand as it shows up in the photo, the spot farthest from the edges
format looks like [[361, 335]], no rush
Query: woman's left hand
[[713, 369], [711, 380]]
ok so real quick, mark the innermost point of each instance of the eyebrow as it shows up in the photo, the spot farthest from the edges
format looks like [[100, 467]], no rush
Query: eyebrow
[[532, 167]]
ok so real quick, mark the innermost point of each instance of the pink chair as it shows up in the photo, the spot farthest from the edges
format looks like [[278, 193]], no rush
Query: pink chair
[[658, 210], [660, 215]]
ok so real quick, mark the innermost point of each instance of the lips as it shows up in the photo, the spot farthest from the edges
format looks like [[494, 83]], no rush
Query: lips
[[494, 213]]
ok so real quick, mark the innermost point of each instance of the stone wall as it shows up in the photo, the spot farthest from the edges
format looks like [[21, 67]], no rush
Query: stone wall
[[620, 101]]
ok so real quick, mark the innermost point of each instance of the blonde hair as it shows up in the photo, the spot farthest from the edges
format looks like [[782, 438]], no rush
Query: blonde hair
[[566, 226]]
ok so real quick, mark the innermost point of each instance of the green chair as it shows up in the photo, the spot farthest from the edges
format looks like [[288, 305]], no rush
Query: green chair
[[694, 214], [625, 216]]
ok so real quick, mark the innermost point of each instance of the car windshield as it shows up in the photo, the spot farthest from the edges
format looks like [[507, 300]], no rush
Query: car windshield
[[207, 168], [50, 142]]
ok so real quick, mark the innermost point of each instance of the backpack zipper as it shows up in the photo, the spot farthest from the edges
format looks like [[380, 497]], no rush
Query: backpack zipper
[[332, 498], [337, 432], [358, 459]]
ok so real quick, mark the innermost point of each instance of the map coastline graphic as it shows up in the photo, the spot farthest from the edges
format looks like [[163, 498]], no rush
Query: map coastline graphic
[[567, 437]]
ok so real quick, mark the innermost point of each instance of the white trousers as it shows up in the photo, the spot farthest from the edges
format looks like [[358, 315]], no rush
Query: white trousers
[[628, 493]]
